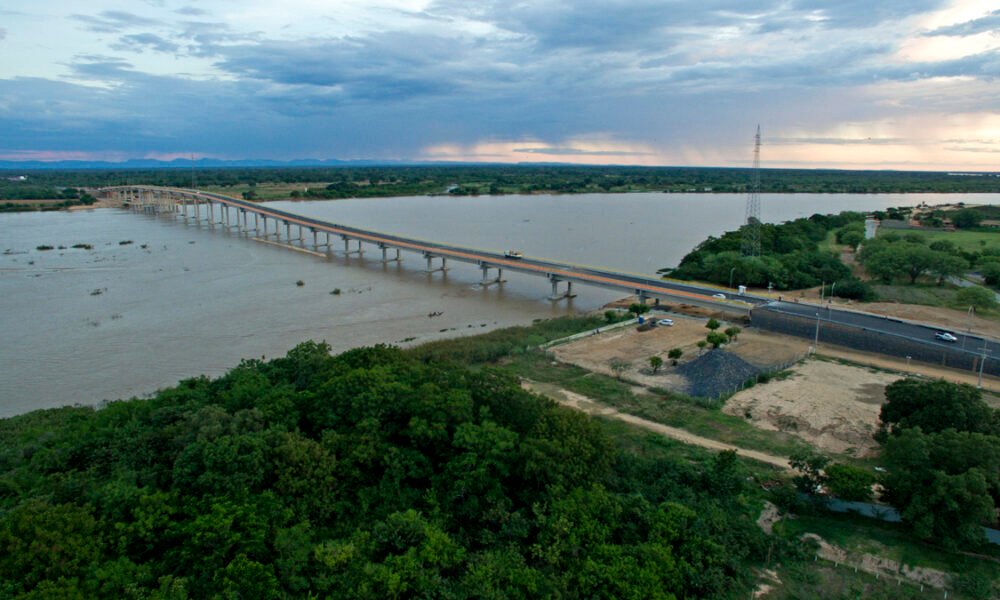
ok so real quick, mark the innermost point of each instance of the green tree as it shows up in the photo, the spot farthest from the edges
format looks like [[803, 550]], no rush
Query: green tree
[[732, 333], [967, 217], [638, 309], [977, 296], [655, 362], [944, 485], [934, 406], [990, 270], [674, 354], [716, 339], [701, 345], [713, 324], [849, 483], [810, 466], [947, 265]]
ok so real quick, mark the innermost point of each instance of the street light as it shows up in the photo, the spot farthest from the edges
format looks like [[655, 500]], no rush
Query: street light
[[816, 341], [981, 365], [972, 310], [731, 277]]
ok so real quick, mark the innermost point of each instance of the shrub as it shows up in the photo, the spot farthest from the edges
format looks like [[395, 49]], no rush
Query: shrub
[[853, 289]]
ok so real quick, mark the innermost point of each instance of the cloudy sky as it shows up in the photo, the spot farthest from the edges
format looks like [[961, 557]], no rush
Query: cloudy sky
[[886, 84]]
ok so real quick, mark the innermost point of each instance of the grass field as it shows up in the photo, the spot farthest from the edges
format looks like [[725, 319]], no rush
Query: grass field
[[673, 410], [860, 535], [918, 293], [966, 240]]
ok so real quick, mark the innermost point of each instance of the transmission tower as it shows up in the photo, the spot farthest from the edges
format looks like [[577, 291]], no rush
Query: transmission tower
[[751, 229]]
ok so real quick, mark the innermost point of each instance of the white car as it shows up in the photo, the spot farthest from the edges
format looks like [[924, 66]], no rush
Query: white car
[[513, 254], [944, 336], [666, 322], [719, 296]]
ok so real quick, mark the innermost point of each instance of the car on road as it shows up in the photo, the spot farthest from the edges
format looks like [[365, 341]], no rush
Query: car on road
[[513, 254], [944, 336], [719, 296], [666, 322]]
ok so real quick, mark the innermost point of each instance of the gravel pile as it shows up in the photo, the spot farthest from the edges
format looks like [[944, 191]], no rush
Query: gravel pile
[[714, 373]]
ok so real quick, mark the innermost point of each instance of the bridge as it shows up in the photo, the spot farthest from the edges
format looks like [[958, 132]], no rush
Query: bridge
[[822, 324], [301, 232]]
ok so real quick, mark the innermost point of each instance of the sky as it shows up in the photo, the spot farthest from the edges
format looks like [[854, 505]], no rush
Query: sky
[[854, 84]]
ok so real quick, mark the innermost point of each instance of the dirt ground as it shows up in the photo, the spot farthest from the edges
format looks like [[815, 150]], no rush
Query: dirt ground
[[594, 353], [833, 407]]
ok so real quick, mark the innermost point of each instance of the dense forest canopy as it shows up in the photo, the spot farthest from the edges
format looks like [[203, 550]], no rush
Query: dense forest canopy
[[790, 256], [347, 182], [377, 474]]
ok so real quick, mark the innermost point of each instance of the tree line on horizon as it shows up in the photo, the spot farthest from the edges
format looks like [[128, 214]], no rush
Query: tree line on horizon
[[350, 182]]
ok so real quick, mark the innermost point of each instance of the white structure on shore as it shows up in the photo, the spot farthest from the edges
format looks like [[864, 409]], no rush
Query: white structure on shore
[[871, 227]]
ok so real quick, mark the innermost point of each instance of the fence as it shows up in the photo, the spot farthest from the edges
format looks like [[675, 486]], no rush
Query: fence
[[764, 373], [867, 339]]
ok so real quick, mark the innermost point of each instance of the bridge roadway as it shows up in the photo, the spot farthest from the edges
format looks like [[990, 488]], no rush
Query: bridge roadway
[[553, 270], [871, 332], [917, 332]]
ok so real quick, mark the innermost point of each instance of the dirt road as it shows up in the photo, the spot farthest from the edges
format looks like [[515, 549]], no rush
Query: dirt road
[[589, 406]]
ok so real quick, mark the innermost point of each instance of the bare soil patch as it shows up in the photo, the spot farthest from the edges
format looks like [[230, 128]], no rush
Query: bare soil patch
[[595, 353], [833, 407]]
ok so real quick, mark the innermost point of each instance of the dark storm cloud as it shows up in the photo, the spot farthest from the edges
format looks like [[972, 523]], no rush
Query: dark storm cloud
[[381, 67], [990, 22]]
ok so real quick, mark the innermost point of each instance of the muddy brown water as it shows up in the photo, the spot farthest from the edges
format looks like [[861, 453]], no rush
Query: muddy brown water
[[82, 326]]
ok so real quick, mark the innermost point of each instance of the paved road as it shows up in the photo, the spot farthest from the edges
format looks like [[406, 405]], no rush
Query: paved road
[[914, 331]]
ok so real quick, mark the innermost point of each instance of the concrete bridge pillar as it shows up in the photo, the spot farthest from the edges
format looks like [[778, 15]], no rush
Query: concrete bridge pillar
[[641, 295], [430, 263], [556, 296], [256, 222], [347, 247], [486, 281], [288, 232], [386, 259]]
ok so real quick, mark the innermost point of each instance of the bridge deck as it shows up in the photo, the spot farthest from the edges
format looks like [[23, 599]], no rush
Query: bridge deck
[[627, 282]]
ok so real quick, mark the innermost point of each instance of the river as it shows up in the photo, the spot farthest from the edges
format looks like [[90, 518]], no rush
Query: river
[[82, 326]]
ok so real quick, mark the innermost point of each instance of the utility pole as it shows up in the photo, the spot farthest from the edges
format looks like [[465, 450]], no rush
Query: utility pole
[[816, 340], [982, 364], [751, 229]]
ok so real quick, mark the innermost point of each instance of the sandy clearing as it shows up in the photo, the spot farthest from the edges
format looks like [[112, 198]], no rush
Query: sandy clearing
[[636, 347], [591, 407], [831, 406], [595, 352]]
